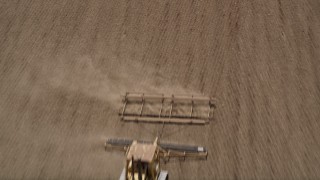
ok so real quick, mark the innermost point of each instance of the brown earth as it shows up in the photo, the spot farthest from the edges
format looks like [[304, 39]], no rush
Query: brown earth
[[65, 63]]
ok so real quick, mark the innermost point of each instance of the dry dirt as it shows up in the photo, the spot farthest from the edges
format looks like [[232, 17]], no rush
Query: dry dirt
[[65, 63]]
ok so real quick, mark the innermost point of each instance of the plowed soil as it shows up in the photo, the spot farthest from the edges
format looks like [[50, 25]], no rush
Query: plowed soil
[[65, 63]]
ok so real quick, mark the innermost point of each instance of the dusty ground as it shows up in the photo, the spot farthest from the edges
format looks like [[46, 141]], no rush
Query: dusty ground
[[65, 63]]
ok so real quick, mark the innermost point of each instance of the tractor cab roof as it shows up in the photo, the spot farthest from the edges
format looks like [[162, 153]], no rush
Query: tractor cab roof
[[141, 151]]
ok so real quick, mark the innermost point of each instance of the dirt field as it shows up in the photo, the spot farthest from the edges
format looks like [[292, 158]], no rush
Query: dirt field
[[65, 63]]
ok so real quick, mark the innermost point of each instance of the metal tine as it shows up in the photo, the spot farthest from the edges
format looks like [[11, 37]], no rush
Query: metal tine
[[171, 107], [210, 108], [142, 105], [191, 107], [124, 105], [209, 112], [161, 106]]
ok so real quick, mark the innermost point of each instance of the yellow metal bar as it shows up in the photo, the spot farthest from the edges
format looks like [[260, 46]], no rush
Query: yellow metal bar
[[164, 120], [178, 98]]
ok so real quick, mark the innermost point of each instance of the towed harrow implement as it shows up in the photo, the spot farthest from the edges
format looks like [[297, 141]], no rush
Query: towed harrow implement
[[177, 109]]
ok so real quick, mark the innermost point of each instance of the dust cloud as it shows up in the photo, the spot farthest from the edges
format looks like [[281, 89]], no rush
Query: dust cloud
[[80, 74]]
